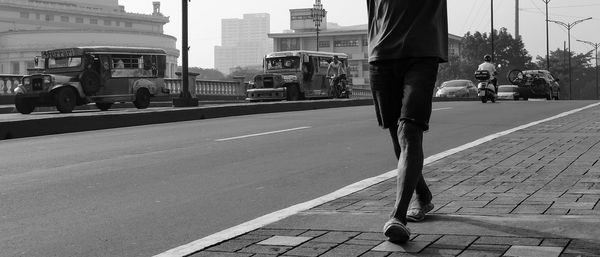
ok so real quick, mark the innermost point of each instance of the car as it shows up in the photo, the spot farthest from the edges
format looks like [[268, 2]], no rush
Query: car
[[536, 83], [511, 92], [460, 88]]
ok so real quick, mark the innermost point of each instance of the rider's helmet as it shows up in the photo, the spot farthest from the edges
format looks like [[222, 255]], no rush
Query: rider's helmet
[[487, 58]]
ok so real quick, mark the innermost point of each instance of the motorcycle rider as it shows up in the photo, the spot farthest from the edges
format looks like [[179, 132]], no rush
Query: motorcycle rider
[[338, 69], [491, 68]]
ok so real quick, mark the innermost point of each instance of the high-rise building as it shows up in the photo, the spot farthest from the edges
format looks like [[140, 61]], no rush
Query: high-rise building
[[29, 27], [244, 42]]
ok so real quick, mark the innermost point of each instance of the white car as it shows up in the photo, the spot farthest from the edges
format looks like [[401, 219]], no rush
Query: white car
[[510, 92], [460, 88]]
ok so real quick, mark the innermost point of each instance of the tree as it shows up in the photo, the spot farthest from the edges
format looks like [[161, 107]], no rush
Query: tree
[[207, 74], [247, 72], [509, 53], [583, 76]]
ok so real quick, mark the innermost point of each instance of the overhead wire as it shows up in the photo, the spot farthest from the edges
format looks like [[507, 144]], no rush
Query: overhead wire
[[477, 14], [468, 17]]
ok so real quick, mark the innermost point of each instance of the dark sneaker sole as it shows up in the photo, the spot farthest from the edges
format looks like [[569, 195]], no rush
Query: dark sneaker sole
[[397, 233]]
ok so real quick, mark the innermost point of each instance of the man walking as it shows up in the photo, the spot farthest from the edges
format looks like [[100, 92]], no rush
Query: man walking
[[407, 41]]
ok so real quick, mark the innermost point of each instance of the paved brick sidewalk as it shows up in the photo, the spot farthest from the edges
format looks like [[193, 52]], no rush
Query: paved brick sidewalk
[[534, 192]]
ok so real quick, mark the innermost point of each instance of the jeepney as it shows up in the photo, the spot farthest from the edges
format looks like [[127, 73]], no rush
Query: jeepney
[[293, 75], [103, 75]]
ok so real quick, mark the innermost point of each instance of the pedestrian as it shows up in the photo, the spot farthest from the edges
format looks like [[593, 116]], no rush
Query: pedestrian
[[407, 41]]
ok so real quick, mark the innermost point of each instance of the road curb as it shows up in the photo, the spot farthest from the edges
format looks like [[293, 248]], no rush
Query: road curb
[[105, 120]]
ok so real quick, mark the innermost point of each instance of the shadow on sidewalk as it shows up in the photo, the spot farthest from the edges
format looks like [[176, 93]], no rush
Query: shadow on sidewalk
[[582, 230]]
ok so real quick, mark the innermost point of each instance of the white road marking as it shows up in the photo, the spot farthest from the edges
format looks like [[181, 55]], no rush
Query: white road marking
[[441, 109], [262, 134], [284, 213]]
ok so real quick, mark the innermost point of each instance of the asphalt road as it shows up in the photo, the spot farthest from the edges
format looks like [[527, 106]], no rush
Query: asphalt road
[[140, 191]]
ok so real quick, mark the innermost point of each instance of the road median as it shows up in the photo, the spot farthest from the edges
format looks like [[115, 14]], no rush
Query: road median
[[40, 124]]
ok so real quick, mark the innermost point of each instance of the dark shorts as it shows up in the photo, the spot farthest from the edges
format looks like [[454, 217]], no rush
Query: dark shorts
[[403, 90]]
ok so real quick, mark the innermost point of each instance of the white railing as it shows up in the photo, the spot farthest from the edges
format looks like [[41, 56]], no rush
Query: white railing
[[202, 87], [8, 83], [209, 87], [361, 91]]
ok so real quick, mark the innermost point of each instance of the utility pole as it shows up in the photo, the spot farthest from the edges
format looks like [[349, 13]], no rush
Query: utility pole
[[564, 53], [569, 26], [516, 19], [492, 32], [595, 46], [547, 38]]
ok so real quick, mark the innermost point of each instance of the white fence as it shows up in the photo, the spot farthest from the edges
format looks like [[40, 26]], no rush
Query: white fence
[[8, 83], [200, 88], [209, 87]]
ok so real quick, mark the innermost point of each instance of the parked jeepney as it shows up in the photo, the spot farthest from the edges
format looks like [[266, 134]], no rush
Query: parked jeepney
[[294, 75], [102, 75]]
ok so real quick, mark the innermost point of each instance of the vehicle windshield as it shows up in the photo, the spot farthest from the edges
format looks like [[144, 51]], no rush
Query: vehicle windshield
[[64, 62], [279, 63], [455, 84], [507, 89]]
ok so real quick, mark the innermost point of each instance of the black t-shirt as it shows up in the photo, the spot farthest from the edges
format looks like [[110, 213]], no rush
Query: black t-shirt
[[407, 28]]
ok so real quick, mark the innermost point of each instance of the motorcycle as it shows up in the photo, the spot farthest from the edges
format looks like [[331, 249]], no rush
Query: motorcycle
[[339, 90], [485, 89]]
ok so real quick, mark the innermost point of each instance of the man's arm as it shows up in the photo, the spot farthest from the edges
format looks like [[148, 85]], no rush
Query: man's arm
[[328, 69]]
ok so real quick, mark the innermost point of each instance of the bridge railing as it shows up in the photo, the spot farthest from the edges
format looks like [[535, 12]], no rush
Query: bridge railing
[[209, 87], [8, 83], [360, 91], [200, 88]]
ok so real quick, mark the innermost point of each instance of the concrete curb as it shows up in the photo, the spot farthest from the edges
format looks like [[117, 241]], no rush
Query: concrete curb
[[68, 123]]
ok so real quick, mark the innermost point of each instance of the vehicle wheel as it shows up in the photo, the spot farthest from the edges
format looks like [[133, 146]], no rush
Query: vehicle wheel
[[142, 98], [293, 93], [104, 106], [23, 105], [65, 99], [90, 82], [493, 99], [484, 99]]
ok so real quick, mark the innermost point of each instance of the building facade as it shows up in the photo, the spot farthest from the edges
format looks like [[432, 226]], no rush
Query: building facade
[[29, 27], [244, 42], [351, 40]]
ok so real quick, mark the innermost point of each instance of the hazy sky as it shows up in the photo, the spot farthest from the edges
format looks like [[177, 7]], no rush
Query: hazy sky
[[463, 15]]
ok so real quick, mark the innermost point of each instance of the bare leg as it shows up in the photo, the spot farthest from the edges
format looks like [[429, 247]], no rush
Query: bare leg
[[408, 145]]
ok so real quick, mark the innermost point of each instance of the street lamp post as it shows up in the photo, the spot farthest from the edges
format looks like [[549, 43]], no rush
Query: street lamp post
[[547, 38], [569, 26], [595, 46], [185, 98], [317, 13]]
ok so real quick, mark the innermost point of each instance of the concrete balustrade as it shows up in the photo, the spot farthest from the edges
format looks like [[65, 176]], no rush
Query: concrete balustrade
[[8, 83], [361, 93], [209, 87], [202, 87]]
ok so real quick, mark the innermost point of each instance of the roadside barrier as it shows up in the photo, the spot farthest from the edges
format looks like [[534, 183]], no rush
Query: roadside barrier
[[8, 83], [209, 87]]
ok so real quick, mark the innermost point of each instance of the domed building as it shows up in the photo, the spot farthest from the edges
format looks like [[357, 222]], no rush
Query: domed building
[[28, 27]]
